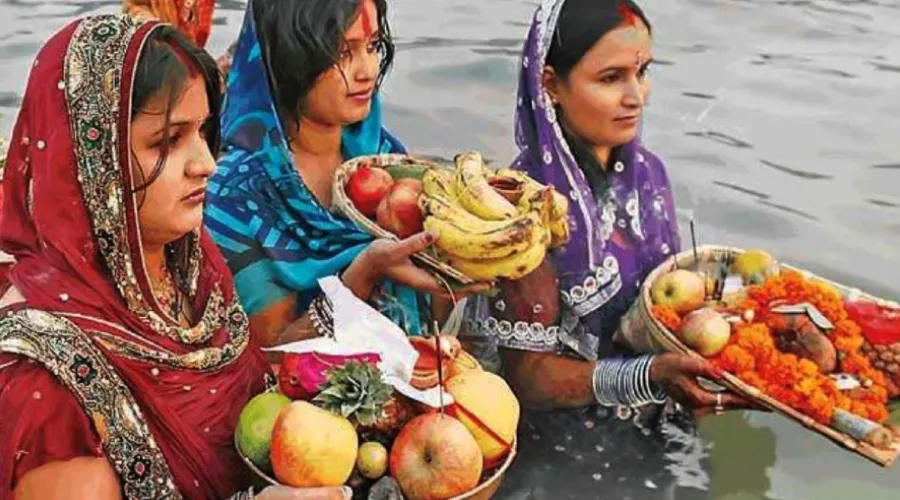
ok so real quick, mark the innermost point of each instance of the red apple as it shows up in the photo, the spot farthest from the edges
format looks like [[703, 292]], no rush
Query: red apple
[[705, 331], [435, 457], [366, 187], [399, 211]]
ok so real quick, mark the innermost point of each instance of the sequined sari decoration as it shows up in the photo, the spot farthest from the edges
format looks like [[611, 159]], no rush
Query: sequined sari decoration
[[71, 222]]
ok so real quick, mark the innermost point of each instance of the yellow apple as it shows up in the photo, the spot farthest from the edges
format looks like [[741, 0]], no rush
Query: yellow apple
[[754, 266], [682, 290]]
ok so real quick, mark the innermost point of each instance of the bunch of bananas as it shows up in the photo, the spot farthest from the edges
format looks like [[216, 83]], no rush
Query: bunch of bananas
[[492, 225]]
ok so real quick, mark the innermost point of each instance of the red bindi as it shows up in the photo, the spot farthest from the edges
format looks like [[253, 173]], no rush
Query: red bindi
[[367, 25], [628, 15]]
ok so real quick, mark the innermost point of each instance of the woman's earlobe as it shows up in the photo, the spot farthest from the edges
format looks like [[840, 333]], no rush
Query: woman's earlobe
[[548, 79]]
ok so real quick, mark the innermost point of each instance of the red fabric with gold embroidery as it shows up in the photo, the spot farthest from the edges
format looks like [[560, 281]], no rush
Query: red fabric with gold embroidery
[[60, 267]]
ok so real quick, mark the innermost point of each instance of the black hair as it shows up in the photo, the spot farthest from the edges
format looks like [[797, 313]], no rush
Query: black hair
[[581, 24], [166, 64], [301, 39]]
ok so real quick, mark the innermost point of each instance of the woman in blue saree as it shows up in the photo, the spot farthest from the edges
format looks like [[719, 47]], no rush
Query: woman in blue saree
[[302, 98]]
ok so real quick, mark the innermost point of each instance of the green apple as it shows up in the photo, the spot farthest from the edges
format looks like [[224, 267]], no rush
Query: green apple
[[682, 290], [254, 428]]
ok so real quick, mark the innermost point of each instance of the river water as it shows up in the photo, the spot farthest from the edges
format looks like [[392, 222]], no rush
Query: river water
[[779, 121]]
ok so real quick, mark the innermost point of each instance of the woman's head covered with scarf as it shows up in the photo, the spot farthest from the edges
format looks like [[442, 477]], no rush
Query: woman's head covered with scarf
[[109, 159], [582, 90]]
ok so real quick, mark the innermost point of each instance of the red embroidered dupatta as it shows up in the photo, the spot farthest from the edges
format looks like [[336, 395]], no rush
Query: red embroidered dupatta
[[71, 224]]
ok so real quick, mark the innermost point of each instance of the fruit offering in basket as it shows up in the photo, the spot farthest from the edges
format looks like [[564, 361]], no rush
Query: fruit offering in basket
[[356, 429], [492, 225], [786, 334], [392, 203], [679, 297]]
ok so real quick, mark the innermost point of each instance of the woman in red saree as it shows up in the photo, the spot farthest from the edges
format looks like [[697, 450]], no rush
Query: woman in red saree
[[126, 363]]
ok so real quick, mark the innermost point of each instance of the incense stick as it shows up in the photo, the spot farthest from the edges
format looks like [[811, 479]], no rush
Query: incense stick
[[694, 244], [440, 367]]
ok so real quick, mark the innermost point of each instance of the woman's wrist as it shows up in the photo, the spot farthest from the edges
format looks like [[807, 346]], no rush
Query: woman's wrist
[[658, 372], [358, 277]]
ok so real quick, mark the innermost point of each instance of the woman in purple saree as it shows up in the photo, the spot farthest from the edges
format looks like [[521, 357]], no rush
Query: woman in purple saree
[[582, 89]]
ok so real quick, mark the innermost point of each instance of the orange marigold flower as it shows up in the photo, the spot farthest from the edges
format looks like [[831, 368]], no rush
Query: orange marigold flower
[[808, 368], [667, 316], [736, 359], [808, 387], [848, 344], [752, 354], [878, 414]]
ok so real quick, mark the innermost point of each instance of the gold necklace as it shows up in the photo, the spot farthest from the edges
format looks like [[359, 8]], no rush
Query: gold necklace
[[166, 294]]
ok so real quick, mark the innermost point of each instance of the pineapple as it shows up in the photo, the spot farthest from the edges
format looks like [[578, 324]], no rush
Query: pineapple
[[397, 412], [356, 392]]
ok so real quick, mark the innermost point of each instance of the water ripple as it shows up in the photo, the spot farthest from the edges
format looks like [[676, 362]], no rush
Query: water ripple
[[803, 174], [742, 189], [698, 95], [785, 208], [721, 138], [883, 203]]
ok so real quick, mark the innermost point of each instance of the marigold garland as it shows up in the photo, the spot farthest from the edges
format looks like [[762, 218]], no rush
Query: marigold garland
[[751, 354], [667, 316]]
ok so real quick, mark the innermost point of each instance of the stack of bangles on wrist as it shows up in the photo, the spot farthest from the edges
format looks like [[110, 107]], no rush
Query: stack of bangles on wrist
[[243, 495], [620, 381], [321, 315]]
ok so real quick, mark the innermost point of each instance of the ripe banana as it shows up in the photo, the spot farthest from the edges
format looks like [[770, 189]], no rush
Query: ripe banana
[[438, 183], [559, 232], [449, 210], [512, 268], [474, 192], [490, 241], [560, 203]]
